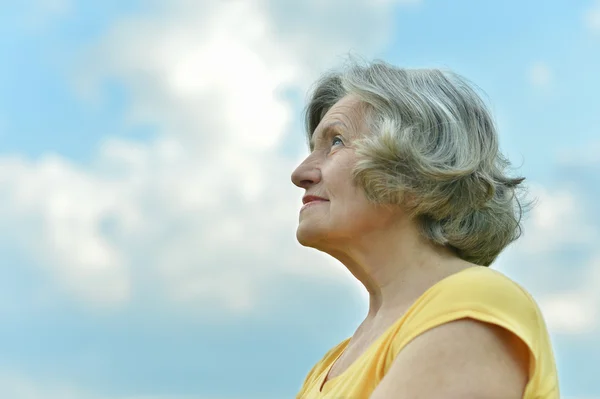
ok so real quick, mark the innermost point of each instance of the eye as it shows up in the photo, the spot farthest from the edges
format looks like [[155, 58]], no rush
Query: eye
[[336, 138]]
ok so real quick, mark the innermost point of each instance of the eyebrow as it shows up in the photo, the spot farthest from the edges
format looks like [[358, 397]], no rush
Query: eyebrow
[[327, 129]]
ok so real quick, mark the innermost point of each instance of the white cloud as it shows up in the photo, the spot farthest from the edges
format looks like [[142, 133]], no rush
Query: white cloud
[[574, 312], [586, 155], [41, 13], [53, 6], [205, 213], [559, 252], [540, 75], [3, 126], [592, 17], [567, 313], [16, 386], [19, 386], [64, 206], [557, 219]]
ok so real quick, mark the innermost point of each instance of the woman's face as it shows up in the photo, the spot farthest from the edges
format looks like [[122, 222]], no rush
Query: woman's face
[[327, 172]]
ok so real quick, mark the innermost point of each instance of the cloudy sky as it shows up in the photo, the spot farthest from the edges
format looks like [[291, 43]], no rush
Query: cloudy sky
[[147, 218]]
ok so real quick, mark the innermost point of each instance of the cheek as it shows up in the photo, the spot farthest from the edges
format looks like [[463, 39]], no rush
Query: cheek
[[354, 209]]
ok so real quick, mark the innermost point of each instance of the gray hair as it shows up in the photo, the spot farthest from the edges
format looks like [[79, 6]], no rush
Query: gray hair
[[434, 150]]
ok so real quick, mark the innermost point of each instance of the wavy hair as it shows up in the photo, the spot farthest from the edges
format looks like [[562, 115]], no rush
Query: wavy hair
[[433, 150]]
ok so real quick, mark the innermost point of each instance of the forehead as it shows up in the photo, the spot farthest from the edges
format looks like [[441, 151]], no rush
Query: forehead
[[345, 116], [347, 108]]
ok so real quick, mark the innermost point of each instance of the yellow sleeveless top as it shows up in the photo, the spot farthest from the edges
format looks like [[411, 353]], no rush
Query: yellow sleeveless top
[[478, 293]]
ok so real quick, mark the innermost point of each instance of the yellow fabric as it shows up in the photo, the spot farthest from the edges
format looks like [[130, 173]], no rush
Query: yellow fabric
[[478, 293]]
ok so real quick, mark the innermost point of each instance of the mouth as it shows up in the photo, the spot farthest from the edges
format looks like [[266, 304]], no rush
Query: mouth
[[312, 203], [311, 198]]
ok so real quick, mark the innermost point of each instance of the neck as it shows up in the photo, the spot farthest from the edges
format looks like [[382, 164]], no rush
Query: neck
[[396, 266]]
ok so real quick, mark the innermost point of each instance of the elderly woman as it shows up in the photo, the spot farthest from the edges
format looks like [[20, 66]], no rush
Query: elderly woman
[[405, 186]]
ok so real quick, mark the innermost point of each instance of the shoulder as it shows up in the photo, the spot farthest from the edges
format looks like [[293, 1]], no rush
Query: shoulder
[[480, 281], [473, 332], [465, 358], [480, 293]]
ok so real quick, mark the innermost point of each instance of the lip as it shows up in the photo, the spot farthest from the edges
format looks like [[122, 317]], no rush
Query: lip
[[310, 198], [313, 202]]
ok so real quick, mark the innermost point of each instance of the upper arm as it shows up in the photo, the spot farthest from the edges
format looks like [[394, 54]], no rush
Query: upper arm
[[464, 359]]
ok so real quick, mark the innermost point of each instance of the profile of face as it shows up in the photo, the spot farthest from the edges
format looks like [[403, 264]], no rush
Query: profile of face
[[346, 215]]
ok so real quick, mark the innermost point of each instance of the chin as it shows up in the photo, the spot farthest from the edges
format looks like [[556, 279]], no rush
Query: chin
[[309, 236]]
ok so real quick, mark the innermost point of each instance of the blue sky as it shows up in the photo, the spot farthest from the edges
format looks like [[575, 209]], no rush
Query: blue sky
[[147, 218]]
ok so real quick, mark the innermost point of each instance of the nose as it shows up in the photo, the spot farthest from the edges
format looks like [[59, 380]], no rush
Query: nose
[[306, 174]]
